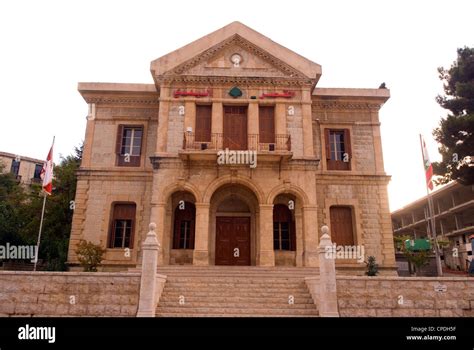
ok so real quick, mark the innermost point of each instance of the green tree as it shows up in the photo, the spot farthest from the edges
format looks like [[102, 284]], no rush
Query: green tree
[[455, 133], [20, 212]]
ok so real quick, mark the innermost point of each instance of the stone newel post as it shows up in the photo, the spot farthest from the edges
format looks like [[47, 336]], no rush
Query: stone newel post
[[147, 301], [327, 271]]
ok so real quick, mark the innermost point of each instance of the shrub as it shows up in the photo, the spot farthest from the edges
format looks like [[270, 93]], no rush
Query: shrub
[[89, 255]]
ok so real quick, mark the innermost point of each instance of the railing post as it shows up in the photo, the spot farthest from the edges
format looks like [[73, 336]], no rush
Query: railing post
[[147, 301], [327, 279]]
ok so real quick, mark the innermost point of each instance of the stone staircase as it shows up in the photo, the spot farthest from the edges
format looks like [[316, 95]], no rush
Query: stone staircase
[[231, 291]]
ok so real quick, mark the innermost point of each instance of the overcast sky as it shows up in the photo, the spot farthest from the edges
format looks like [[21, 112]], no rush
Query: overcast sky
[[47, 47]]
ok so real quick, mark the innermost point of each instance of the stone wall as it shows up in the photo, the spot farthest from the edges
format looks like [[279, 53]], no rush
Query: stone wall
[[68, 294], [405, 296]]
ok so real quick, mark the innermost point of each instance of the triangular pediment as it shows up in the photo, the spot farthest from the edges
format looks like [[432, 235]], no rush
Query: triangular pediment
[[237, 51], [236, 57]]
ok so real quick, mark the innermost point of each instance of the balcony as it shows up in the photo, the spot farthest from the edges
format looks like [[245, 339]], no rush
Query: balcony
[[270, 151]]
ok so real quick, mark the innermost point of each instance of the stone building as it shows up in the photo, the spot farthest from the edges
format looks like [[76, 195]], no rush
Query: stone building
[[181, 153], [453, 206], [27, 170]]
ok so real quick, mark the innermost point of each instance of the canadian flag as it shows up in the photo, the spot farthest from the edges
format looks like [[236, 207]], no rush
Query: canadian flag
[[427, 164], [47, 173]]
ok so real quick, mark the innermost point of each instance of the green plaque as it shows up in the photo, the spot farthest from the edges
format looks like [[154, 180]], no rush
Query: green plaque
[[235, 92]]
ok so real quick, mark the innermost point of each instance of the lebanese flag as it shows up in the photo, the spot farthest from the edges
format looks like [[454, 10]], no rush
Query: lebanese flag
[[427, 164], [47, 173]]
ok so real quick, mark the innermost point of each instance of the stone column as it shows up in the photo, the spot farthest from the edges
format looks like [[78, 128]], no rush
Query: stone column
[[280, 118], [252, 125], [201, 240], [308, 147], [310, 224], [190, 115], [217, 124], [163, 117], [158, 211], [327, 279], [147, 301], [89, 139], [266, 255]]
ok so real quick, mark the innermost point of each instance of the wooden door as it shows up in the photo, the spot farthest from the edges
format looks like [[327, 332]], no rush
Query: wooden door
[[233, 241], [341, 226], [235, 127], [266, 120], [203, 123]]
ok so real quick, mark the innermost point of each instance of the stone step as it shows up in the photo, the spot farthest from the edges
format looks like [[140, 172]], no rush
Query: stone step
[[238, 311], [236, 286], [242, 304], [249, 281], [174, 298], [211, 315], [229, 294]]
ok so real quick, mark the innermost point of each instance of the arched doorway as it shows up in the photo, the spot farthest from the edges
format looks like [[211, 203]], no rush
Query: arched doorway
[[285, 214], [180, 226], [184, 225], [233, 218]]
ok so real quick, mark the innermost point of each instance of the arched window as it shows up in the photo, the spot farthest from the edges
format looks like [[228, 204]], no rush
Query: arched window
[[123, 225], [342, 232], [184, 223], [284, 236]]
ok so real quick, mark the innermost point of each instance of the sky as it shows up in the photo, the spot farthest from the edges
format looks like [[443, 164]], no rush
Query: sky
[[47, 47]]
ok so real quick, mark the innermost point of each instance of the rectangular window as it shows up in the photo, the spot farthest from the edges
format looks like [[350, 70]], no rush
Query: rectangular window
[[129, 145], [281, 236], [266, 118], [185, 234], [123, 225], [338, 149], [203, 123], [15, 169], [38, 168]]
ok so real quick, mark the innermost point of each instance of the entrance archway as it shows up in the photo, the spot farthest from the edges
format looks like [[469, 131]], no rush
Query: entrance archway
[[233, 226]]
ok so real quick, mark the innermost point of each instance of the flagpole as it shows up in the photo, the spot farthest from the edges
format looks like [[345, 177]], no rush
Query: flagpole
[[39, 233], [45, 194], [432, 220]]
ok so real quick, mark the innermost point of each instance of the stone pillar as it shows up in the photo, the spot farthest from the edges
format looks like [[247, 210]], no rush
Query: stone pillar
[[310, 224], [147, 301], [308, 147], [379, 166], [158, 212], [190, 116], [217, 123], [266, 255], [252, 125], [163, 117], [327, 278], [89, 139], [201, 240], [280, 118]]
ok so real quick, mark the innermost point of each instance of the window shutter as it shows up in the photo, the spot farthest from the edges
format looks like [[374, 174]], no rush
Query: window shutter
[[118, 141], [347, 142], [203, 123], [266, 116], [326, 143]]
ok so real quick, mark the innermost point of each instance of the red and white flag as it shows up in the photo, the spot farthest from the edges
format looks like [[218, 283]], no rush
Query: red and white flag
[[47, 173], [427, 164]]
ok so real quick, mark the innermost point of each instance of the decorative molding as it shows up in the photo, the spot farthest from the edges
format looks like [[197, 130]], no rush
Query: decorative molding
[[345, 105], [234, 80], [123, 100], [237, 40]]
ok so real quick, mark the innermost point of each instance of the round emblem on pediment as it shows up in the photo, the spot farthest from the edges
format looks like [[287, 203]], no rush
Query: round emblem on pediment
[[235, 92], [236, 59]]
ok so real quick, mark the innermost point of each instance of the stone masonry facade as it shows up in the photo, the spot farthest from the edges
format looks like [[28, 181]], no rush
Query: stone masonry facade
[[173, 167]]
